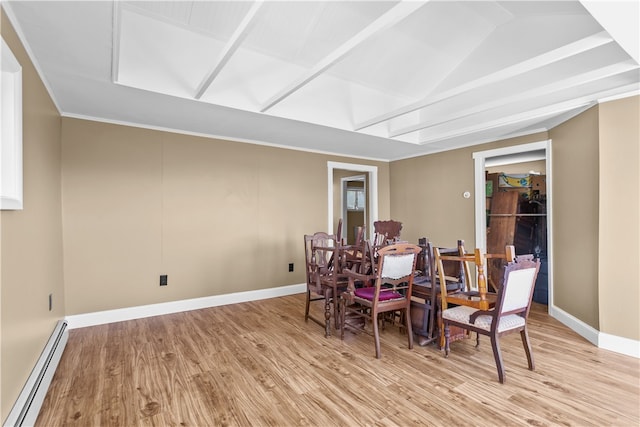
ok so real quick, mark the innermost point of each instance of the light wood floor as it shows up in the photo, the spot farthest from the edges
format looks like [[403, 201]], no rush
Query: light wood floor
[[260, 364]]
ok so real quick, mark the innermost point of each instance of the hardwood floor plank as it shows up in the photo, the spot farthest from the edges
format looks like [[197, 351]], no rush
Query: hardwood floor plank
[[260, 364]]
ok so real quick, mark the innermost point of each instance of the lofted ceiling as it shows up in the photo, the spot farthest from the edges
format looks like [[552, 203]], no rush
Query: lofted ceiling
[[373, 79]]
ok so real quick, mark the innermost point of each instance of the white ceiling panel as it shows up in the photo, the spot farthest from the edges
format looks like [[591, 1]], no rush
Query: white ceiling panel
[[162, 57], [373, 79]]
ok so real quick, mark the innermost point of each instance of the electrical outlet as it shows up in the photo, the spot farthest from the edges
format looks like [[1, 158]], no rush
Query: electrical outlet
[[163, 280], [290, 267]]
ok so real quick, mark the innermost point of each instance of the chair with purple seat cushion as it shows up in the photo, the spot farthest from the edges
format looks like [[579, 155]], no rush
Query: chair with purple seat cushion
[[388, 290]]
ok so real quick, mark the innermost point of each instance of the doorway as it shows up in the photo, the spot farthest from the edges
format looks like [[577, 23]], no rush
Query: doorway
[[334, 186], [538, 151], [354, 205]]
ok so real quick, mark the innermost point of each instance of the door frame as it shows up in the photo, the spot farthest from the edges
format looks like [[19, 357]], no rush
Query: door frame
[[480, 159], [372, 195]]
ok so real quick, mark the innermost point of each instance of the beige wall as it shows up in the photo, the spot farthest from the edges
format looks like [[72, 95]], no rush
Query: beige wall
[[575, 216], [31, 239], [619, 226], [215, 216], [426, 193]]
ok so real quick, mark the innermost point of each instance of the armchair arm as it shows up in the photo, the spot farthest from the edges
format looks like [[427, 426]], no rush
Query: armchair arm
[[475, 315], [354, 277]]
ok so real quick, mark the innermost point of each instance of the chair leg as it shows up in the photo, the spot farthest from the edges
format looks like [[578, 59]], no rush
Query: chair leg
[[342, 308], [527, 348], [407, 318], [497, 354], [440, 329], [327, 313], [432, 320], [447, 335], [335, 304], [306, 309], [376, 334]]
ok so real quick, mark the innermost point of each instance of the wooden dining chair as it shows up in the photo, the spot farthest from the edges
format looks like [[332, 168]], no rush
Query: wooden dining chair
[[478, 296], [424, 304], [386, 232], [475, 271], [324, 265], [507, 316], [388, 290]]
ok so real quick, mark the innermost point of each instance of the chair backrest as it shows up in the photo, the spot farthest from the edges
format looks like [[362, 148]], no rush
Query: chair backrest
[[386, 232], [370, 263], [516, 292], [360, 235], [425, 257], [319, 249], [396, 265], [478, 298], [357, 257], [339, 231], [455, 272], [426, 265], [496, 263], [483, 265]]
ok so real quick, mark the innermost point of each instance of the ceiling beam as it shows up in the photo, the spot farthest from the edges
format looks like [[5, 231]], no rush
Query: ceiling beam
[[520, 117], [568, 83], [563, 52], [389, 19], [231, 47], [566, 109], [115, 50]]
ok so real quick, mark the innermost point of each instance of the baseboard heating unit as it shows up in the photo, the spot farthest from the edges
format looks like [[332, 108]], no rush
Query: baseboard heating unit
[[25, 410]]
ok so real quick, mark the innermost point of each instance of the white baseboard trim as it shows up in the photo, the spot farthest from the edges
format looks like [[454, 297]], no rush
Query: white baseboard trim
[[620, 345], [585, 331], [139, 312], [602, 340], [26, 408]]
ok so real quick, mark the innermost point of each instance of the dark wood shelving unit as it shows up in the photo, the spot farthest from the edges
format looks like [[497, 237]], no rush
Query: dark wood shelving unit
[[518, 216]]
